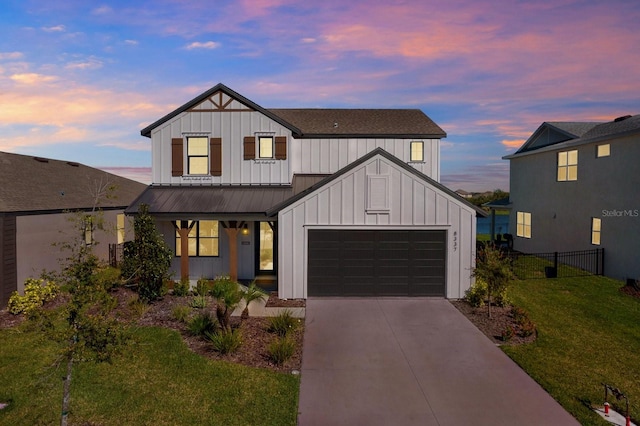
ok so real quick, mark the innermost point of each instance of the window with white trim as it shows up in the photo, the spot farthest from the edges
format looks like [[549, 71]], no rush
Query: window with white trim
[[596, 228], [523, 224], [568, 165], [203, 239], [417, 151], [197, 155]]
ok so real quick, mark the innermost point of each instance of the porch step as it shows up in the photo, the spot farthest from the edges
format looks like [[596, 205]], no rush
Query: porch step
[[267, 282]]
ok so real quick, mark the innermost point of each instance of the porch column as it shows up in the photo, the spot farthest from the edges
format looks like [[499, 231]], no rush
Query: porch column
[[183, 230], [231, 228]]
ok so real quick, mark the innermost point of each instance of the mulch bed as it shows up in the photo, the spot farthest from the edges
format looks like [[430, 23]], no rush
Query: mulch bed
[[275, 302], [493, 327]]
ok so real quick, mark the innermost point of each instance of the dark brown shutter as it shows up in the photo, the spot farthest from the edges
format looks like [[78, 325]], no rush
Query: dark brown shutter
[[215, 146], [249, 147], [281, 147], [176, 157]]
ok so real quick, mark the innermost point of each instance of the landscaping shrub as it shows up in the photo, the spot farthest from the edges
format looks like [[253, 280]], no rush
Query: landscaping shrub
[[477, 294], [508, 333], [203, 286], [283, 323], [181, 288], [281, 349], [201, 324], [138, 307], [225, 342], [502, 298], [36, 293], [526, 327], [181, 313], [199, 302]]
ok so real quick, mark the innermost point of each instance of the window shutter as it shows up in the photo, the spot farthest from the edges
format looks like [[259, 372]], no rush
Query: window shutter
[[215, 147], [249, 147], [281, 147], [176, 157]]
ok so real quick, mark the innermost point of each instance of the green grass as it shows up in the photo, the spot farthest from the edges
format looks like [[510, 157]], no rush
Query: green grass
[[159, 381], [588, 334]]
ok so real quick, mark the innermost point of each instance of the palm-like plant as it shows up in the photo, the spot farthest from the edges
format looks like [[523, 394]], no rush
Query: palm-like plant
[[252, 293], [228, 295]]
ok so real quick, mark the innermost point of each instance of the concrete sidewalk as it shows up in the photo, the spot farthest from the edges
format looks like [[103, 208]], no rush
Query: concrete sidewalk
[[411, 361]]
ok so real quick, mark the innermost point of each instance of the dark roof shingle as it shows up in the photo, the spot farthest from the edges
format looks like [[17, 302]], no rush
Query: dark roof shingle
[[33, 184], [361, 122]]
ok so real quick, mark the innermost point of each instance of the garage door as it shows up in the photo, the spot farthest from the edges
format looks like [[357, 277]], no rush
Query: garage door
[[376, 263]]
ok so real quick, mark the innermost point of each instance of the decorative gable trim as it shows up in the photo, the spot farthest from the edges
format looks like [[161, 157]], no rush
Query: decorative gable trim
[[215, 156], [249, 147], [281, 147], [219, 102], [177, 155]]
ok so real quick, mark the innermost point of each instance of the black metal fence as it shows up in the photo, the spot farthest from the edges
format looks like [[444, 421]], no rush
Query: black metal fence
[[558, 264]]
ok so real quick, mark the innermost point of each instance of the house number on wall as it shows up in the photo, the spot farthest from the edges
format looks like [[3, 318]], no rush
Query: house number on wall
[[455, 240]]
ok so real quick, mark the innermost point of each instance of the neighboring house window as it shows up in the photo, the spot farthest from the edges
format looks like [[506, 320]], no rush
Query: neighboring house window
[[197, 155], [603, 150], [523, 228], [120, 232], [568, 165], [265, 146], [88, 230], [417, 151], [203, 239], [596, 224]]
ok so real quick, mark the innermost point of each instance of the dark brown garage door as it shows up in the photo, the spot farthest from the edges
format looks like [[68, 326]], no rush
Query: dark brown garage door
[[376, 263]]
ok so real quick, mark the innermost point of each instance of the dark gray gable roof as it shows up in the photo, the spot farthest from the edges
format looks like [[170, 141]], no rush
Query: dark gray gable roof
[[308, 123], [585, 133], [373, 123], [217, 88], [378, 151], [33, 184], [551, 133]]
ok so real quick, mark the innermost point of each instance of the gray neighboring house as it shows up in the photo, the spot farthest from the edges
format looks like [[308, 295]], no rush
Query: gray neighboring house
[[576, 186], [36, 196], [312, 202]]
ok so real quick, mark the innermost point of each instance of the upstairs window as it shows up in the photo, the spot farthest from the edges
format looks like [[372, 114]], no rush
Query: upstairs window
[[203, 239], [568, 165], [197, 155], [523, 225], [417, 151], [596, 224], [603, 150], [265, 147]]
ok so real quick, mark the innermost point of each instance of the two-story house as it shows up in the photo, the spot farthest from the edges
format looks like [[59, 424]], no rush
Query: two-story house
[[576, 186], [313, 201], [38, 198]]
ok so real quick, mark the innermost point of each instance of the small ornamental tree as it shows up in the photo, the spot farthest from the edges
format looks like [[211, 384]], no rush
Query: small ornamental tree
[[147, 258], [493, 268], [82, 325]]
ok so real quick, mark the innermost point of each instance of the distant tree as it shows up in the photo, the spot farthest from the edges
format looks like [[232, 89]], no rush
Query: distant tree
[[147, 258], [493, 267], [485, 197]]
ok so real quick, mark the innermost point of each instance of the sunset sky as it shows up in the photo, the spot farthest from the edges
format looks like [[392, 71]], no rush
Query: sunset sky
[[79, 79]]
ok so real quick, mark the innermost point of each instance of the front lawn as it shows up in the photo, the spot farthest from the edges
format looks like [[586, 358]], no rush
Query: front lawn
[[588, 334], [159, 381]]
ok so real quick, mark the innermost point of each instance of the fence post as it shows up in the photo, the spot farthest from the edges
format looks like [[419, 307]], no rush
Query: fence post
[[602, 261]]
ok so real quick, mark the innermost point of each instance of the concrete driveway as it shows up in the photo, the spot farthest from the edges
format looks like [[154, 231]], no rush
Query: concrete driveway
[[411, 361]]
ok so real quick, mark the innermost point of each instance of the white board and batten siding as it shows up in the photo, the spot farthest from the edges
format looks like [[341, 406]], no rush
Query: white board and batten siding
[[232, 127], [345, 202], [327, 156]]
